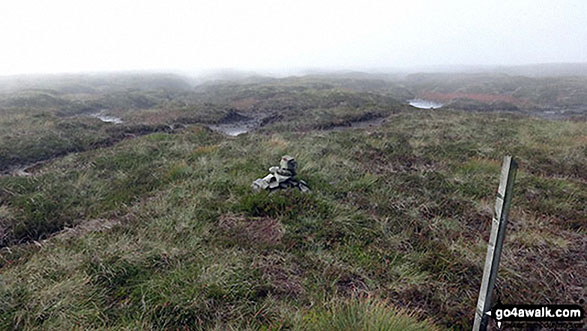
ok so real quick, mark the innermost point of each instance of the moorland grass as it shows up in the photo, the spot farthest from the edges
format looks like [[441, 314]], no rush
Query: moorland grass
[[395, 228]]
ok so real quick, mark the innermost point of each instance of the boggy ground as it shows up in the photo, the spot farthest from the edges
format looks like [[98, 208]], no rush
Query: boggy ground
[[163, 231], [44, 120]]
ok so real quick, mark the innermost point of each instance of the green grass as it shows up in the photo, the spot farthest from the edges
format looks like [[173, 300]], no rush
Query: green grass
[[168, 235], [362, 315]]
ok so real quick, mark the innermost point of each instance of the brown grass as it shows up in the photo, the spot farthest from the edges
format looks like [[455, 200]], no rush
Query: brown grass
[[254, 230]]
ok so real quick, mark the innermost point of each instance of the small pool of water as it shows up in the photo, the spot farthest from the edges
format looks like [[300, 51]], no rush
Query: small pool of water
[[106, 118], [230, 130], [235, 129], [424, 104]]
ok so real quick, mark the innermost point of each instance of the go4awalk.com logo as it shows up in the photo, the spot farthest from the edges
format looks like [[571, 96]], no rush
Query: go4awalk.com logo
[[537, 314]]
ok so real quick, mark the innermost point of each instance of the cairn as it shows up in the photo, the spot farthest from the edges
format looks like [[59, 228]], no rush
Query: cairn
[[281, 177]]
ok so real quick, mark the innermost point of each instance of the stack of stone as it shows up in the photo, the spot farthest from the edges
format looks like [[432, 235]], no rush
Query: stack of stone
[[281, 177]]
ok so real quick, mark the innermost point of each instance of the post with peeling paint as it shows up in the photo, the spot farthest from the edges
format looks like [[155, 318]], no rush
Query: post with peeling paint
[[498, 226]]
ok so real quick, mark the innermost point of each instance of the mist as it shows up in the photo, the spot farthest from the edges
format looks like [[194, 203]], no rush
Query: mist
[[286, 36]]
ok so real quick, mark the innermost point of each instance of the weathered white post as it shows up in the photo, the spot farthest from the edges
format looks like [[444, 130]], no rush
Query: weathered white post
[[498, 225]]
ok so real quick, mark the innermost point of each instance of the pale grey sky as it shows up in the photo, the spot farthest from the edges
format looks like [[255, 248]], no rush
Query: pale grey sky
[[78, 35]]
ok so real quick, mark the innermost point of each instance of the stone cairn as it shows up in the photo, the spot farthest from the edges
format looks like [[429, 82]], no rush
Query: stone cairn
[[281, 177]]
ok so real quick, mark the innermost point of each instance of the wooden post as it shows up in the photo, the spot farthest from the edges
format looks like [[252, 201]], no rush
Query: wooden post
[[498, 225]]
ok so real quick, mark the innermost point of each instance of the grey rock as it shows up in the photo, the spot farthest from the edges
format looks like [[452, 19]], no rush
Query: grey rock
[[281, 177]]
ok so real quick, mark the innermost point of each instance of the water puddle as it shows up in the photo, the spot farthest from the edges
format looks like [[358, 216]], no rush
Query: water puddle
[[230, 129], [558, 114], [424, 104], [106, 118], [237, 128]]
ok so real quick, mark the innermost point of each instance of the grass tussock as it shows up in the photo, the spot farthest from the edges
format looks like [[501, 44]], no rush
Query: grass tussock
[[363, 315]]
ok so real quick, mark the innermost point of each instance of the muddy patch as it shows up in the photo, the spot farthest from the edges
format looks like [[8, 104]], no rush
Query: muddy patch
[[235, 124], [352, 285], [360, 124], [346, 282], [365, 122], [284, 278], [24, 169], [562, 114], [250, 230]]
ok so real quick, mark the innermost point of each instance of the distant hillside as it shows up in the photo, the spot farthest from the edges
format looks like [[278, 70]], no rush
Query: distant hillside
[[546, 69], [529, 70], [486, 88], [92, 83]]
